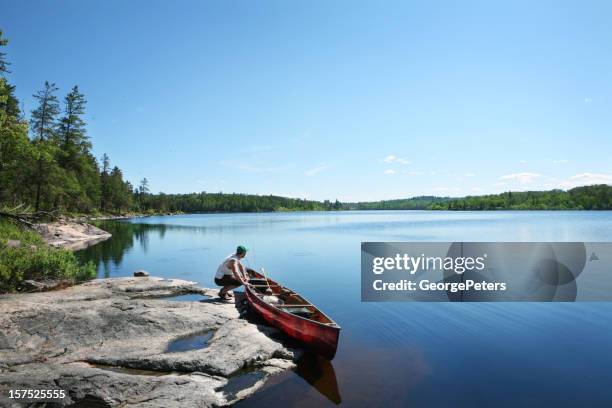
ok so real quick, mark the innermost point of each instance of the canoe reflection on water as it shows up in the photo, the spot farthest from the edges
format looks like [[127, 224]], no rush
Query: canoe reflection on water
[[312, 367], [319, 372]]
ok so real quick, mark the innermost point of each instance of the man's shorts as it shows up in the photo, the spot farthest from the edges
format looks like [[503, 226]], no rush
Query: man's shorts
[[227, 280]]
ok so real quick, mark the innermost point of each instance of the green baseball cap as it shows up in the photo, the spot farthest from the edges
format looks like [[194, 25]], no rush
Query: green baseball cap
[[241, 249]]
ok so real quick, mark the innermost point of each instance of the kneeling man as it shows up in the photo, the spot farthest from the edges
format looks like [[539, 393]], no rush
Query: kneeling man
[[231, 274]]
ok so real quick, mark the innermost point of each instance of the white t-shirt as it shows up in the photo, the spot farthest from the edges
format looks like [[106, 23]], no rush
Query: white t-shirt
[[224, 268]]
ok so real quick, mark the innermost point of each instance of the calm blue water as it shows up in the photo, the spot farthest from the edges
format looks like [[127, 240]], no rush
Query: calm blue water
[[396, 354]]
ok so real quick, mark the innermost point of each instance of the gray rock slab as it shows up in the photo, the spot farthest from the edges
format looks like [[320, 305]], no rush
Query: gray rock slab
[[107, 342]]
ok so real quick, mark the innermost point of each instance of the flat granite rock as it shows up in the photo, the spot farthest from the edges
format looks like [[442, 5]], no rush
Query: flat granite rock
[[71, 234], [109, 342]]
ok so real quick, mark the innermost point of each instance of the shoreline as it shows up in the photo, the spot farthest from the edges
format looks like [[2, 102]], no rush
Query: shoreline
[[70, 234]]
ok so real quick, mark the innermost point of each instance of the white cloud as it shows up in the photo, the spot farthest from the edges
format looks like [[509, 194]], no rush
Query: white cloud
[[523, 161], [586, 179], [389, 171], [469, 175], [316, 170], [394, 159], [415, 173], [562, 161], [521, 178]]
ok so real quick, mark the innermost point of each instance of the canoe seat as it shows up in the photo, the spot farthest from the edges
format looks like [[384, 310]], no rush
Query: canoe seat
[[297, 305], [298, 311]]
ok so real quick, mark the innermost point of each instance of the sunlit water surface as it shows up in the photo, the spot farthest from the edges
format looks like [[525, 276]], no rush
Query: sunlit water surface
[[395, 354]]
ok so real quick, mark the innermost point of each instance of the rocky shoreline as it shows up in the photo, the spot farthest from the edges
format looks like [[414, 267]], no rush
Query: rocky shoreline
[[71, 234], [124, 342]]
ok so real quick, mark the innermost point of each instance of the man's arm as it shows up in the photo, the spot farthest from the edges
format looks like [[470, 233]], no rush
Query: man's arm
[[235, 267]]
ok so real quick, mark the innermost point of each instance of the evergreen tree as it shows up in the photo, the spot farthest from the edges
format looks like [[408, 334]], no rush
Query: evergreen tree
[[42, 125], [73, 139], [143, 190], [3, 63], [15, 152], [105, 188], [81, 178], [44, 117]]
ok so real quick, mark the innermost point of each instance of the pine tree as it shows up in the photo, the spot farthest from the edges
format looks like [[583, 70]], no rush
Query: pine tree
[[43, 121], [3, 63], [105, 190], [42, 125], [144, 186], [72, 136], [143, 190]]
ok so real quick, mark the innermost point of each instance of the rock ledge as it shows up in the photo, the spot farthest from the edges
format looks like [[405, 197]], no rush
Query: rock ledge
[[110, 342]]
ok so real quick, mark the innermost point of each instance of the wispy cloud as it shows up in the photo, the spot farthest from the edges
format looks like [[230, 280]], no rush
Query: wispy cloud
[[415, 173], [469, 175], [561, 161], [521, 178], [316, 170], [394, 159], [389, 171]]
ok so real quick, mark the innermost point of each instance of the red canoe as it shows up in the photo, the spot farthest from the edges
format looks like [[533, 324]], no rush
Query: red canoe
[[292, 314]]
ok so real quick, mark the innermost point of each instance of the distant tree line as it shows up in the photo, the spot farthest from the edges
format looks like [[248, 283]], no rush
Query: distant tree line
[[46, 164], [597, 197], [415, 203], [220, 202]]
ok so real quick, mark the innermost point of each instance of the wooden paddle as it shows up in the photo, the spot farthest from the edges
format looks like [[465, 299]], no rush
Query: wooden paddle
[[267, 282]]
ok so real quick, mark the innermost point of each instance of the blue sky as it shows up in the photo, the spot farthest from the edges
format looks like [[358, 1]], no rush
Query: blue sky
[[331, 99]]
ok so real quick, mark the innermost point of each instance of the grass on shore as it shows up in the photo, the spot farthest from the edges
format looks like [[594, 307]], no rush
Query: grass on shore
[[33, 259]]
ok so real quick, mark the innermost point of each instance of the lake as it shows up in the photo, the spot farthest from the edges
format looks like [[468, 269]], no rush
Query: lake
[[395, 354]]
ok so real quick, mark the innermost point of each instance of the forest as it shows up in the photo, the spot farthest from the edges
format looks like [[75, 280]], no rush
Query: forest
[[47, 165], [596, 197]]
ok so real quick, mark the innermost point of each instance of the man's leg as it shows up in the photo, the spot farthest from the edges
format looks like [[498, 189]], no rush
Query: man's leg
[[225, 289]]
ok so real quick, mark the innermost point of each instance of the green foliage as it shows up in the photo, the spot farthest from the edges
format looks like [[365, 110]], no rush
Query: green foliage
[[415, 203], [598, 197], [3, 63], [57, 171], [44, 117], [33, 259], [219, 202]]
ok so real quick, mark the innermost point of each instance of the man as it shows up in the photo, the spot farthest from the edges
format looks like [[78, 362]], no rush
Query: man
[[231, 274]]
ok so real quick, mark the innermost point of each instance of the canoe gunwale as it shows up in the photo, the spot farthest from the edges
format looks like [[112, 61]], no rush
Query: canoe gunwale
[[320, 335]]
